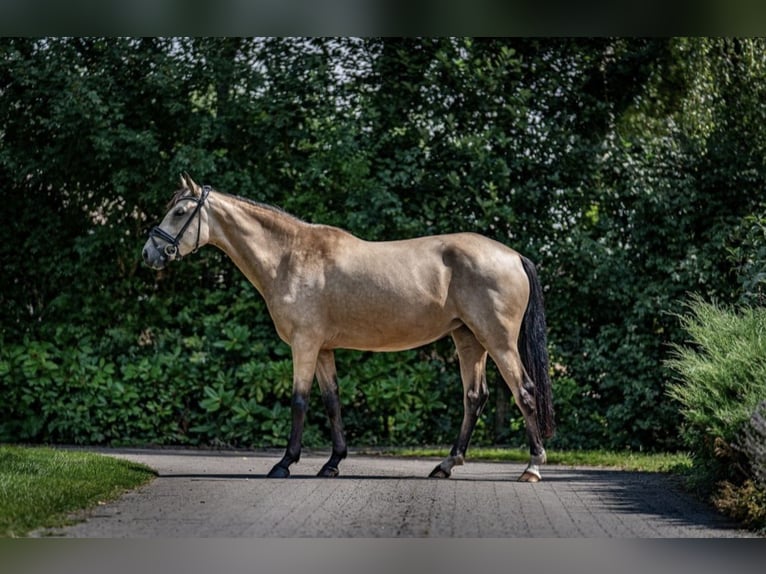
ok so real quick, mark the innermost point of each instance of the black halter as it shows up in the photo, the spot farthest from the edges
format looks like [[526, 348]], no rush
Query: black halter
[[171, 249]]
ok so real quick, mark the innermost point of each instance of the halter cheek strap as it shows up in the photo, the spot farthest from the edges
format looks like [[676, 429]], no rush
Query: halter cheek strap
[[172, 246]]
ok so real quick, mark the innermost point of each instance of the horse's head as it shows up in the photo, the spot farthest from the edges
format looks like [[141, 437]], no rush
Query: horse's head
[[183, 229]]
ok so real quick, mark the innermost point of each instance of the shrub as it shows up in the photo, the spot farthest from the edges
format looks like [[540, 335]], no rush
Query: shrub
[[747, 501], [721, 389], [754, 444]]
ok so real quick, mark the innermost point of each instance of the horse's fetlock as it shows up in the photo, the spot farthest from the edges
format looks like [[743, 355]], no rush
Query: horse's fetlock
[[540, 458]]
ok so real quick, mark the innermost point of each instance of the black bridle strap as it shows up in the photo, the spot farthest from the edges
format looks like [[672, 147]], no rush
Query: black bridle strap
[[172, 247]]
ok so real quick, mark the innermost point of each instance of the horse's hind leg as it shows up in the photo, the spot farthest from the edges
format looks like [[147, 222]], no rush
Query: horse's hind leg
[[523, 390], [328, 383], [473, 362]]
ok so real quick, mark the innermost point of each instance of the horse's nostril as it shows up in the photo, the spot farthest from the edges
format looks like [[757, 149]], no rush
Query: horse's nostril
[[145, 254]]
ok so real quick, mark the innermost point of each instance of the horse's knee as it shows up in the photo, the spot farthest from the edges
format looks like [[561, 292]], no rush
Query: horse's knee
[[299, 404], [331, 402]]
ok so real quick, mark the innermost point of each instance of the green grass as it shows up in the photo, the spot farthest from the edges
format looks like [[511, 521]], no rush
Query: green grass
[[633, 461], [40, 486]]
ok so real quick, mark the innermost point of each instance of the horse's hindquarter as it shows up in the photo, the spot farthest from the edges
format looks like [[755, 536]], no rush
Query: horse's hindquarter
[[396, 295]]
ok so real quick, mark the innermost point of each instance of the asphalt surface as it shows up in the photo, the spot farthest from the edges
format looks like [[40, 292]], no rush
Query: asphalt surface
[[227, 494]]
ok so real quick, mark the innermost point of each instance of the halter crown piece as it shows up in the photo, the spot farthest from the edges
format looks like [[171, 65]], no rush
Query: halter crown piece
[[172, 245]]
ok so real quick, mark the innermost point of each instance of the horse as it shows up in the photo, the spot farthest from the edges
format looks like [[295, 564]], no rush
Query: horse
[[327, 289]]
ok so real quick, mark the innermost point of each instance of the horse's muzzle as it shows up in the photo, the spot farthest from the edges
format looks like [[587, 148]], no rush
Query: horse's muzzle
[[153, 257]]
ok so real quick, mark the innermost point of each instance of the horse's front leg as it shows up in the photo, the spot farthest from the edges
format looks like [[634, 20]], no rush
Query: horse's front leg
[[304, 366], [328, 383]]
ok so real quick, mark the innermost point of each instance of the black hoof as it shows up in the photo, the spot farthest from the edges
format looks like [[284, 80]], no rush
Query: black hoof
[[279, 472], [328, 472], [439, 472]]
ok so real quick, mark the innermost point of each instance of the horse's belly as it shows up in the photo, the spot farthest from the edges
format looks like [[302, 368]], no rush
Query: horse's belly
[[392, 333]]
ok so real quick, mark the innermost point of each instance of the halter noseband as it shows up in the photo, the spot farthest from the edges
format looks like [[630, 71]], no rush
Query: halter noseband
[[173, 243]]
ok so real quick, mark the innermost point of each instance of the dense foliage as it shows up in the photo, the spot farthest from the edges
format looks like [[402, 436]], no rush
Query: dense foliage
[[721, 387], [629, 170]]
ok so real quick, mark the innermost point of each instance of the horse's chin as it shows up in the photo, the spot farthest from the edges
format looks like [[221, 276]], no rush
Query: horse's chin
[[157, 266]]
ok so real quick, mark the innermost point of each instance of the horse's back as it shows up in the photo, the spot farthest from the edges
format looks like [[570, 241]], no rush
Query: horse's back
[[430, 263], [430, 266]]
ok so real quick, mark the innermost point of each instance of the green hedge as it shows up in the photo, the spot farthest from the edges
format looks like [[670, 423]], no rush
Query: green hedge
[[222, 378], [625, 168]]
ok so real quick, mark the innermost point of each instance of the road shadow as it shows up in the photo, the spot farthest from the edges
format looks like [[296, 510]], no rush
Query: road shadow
[[650, 494]]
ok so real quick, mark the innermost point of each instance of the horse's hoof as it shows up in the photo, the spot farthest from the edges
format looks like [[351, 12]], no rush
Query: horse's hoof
[[439, 472], [279, 472], [328, 472], [529, 477]]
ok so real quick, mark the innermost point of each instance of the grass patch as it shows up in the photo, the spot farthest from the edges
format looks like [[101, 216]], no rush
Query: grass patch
[[632, 461], [40, 486]]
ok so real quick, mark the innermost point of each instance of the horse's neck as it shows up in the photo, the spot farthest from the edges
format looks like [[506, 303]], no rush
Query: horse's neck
[[254, 237]]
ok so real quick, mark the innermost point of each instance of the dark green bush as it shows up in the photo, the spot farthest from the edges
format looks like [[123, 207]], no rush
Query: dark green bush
[[191, 390], [749, 253]]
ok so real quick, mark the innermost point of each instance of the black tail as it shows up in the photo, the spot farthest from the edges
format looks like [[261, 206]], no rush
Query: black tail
[[533, 348]]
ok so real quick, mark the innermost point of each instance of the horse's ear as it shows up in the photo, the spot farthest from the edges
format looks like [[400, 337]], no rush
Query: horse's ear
[[189, 184]]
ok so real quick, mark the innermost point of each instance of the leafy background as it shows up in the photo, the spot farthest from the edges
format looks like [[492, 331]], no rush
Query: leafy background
[[630, 170]]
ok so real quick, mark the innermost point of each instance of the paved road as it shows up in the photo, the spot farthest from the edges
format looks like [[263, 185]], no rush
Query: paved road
[[226, 494]]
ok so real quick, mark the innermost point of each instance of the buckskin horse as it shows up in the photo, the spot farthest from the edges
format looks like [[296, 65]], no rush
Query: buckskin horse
[[326, 289]]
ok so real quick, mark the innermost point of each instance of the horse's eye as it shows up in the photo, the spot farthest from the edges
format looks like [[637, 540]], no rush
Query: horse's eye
[[179, 211]]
